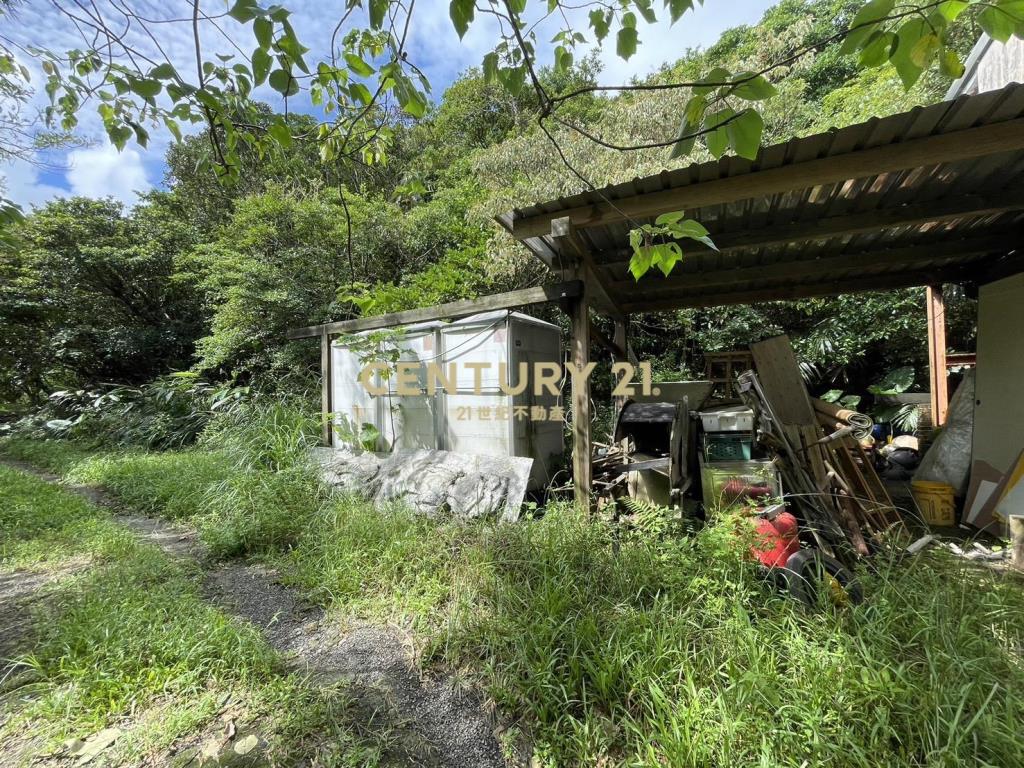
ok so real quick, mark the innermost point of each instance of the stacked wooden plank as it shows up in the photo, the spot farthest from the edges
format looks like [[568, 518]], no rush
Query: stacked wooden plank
[[828, 477]]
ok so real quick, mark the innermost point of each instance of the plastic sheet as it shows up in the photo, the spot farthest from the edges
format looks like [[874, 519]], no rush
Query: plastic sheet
[[949, 458]]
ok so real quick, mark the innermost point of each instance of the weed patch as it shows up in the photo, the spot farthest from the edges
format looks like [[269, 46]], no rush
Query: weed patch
[[639, 647], [129, 642]]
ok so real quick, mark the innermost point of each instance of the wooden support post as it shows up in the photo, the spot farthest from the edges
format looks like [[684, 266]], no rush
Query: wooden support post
[[325, 387], [581, 445], [937, 353], [623, 353]]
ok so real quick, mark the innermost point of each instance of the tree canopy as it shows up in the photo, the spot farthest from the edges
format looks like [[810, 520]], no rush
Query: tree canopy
[[209, 273]]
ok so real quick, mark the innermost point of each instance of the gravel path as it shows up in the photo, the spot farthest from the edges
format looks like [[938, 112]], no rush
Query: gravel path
[[433, 721]]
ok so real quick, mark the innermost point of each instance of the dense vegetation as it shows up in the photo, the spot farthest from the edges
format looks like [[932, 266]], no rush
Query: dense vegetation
[[207, 276], [145, 350], [601, 644]]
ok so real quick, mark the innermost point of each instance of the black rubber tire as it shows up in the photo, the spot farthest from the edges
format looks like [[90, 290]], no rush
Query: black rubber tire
[[804, 573]]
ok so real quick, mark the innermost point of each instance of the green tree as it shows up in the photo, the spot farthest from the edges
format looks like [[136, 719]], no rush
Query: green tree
[[92, 294]]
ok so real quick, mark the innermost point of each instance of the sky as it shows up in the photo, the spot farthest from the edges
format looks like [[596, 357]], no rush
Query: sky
[[97, 169]]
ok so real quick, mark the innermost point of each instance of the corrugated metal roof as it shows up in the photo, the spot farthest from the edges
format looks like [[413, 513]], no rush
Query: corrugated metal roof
[[954, 212]]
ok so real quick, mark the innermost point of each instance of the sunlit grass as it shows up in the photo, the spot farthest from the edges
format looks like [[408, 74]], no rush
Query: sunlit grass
[[125, 633], [638, 650]]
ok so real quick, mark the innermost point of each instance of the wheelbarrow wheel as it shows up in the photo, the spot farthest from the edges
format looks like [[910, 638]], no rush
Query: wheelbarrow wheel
[[817, 580]]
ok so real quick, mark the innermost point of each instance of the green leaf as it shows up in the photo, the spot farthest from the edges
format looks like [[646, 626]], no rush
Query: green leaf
[[640, 262], [745, 133], [950, 64], [264, 31], [676, 8], [358, 66], [909, 34], [627, 39], [878, 49], [563, 59], [865, 23], [378, 10], [163, 72], [670, 218], [600, 21], [895, 382], [147, 89], [461, 13], [261, 64], [755, 89], [119, 135], [513, 78], [716, 75], [691, 229], [951, 9], [141, 134], [279, 132], [490, 67], [997, 23], [832, 396], [924, 50], [360, 93], [693, 114], [644, 6], [717, 141], [667, 256], [282, 81], [172, 126], [289, 43], [244, 11]]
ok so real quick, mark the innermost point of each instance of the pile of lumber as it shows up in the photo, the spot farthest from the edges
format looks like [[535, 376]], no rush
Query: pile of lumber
[[828, 477]]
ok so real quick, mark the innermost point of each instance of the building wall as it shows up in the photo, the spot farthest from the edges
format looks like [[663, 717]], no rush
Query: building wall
[[992, 65], [999, 405]]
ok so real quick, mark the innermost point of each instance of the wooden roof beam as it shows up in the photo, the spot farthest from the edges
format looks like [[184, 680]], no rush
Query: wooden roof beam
[[931, 211], [930, 150], [450, 311], [807, 290], [571, 244], [907, 258]]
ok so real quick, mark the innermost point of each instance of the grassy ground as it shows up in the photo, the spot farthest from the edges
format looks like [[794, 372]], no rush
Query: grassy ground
[[646, 650], [120, 637]]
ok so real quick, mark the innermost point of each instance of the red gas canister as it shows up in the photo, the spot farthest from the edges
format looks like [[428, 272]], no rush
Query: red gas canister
[[777, 540]]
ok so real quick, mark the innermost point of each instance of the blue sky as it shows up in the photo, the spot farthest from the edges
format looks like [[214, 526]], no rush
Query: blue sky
[[97, 169]]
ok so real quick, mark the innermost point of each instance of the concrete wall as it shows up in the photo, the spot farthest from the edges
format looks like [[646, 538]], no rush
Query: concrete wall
[[999, 406]]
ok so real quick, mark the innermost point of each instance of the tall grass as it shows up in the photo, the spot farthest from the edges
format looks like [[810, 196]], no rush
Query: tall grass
[[651, 648], [127, 639]]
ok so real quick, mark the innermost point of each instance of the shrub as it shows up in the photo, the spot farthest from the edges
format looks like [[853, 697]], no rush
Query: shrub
[[170, 412]]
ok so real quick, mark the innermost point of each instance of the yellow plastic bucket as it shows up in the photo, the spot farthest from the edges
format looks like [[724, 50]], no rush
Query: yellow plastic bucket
[[935, 500]]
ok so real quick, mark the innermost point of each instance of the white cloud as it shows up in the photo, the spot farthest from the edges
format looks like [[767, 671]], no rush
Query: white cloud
[[103, 172], [23, 185], [433, 45]]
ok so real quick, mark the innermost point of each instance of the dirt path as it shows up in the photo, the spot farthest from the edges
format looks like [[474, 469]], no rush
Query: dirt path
[[433, 720]]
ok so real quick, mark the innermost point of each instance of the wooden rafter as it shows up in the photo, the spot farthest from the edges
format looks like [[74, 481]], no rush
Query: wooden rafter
[[571, 244], [913, 214], [908, 258], [956, 274]]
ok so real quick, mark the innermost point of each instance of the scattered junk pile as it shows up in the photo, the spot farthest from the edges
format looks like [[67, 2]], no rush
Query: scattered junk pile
[[805, 468]]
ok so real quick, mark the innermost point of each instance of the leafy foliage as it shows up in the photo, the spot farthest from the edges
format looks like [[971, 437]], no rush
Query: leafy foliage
[[169, 412], [91, 295], [290, 241]]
